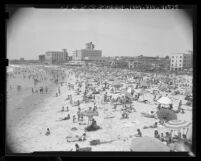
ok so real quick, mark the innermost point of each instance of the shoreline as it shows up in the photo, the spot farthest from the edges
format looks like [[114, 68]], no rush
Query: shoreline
[[23, 104]]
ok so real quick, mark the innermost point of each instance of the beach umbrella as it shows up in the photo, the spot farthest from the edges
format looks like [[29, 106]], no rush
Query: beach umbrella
[[166, 114], [177, 124], [148, 144], [164, 100]]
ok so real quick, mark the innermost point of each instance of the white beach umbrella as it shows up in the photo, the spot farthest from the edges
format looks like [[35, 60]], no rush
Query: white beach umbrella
[[165, 100]]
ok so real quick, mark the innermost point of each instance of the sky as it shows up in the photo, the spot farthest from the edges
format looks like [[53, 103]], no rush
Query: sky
[[117, 32]]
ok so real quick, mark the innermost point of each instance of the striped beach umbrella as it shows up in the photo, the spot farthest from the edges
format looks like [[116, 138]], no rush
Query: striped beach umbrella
[[177, 124]]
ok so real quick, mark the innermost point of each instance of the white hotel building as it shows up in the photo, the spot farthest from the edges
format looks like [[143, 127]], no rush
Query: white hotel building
[[181, 61]]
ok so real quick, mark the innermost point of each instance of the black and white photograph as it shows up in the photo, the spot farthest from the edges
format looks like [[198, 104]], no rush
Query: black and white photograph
[[99, 80]]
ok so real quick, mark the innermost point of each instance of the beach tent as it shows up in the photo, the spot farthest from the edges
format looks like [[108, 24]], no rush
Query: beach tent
[[166, 114], [177, 124], [165, 101], [148, 144]]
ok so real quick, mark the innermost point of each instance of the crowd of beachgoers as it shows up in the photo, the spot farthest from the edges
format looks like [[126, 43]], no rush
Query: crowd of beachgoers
[[102, 109]]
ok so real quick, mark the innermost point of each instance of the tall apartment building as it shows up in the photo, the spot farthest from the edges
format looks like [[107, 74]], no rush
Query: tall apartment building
[[181, 61], [87, 54], [56, 57]]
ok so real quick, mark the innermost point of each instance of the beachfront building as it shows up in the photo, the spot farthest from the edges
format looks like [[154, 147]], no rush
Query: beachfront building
[[180, 61], [147, 63], [132, 62], [56, 57], [41, 58], [88, 55]]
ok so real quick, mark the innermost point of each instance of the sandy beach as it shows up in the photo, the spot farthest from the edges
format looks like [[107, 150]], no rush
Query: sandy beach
[[29, 115]]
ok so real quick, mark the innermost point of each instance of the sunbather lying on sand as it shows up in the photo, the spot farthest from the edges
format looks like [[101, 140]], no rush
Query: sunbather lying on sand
[[149, 115], [76, 138], [155, 125], [145, 101], [65, 118]]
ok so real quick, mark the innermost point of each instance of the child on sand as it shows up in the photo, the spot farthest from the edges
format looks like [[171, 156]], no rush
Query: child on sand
[[162, 137], [47, 132], [156, 134], [124, 115], [139, 133]]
